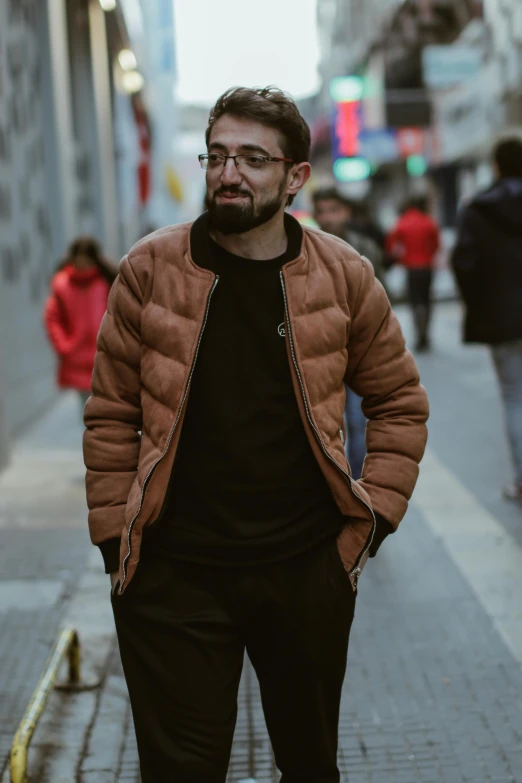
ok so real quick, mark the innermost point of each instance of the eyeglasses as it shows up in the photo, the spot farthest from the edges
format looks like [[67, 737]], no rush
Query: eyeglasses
[[244, 162]]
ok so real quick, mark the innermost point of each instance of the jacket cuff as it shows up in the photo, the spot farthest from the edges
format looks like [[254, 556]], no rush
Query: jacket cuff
[[383, 529], [111, 554]]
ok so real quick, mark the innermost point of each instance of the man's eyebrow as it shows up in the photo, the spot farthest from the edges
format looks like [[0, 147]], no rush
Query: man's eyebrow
[[254, 148], [216, 145], [247, 147]]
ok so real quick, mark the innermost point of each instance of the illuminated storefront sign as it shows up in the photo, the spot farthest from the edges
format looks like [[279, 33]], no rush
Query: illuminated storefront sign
[[346, 93], [357, 150], [351, 169]]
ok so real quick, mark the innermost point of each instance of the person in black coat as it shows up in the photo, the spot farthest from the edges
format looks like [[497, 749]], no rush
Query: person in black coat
[[487, 262]]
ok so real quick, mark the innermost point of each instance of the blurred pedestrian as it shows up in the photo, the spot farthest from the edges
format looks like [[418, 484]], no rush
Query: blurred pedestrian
[[333, 213], [364, 222], [217, 483], [487, 261], [414, 242], [74, 310]]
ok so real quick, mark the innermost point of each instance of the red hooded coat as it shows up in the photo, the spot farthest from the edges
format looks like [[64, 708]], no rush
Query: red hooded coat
[[415, 240], [73, 313]]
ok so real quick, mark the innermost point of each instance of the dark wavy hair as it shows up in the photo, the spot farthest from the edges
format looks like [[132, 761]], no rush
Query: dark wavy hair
[[91, 248], [269, 106]]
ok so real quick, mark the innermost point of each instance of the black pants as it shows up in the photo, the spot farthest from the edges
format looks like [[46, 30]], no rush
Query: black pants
[[419, 298], [183, 630]]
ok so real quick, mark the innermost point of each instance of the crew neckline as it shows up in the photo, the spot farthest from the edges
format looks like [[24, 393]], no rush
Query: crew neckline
[[245, 263]]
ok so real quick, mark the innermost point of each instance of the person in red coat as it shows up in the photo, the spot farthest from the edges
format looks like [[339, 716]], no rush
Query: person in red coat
[[74, 310], [414, 242]]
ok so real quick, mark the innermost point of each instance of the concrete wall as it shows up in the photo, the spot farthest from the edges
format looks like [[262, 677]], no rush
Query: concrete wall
[[27, 250], [57, 178], [87, 207]]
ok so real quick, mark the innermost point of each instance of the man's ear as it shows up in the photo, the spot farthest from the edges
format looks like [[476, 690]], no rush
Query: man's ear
[[299, 176]]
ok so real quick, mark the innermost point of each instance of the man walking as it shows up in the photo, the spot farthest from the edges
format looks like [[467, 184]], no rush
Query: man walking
[[487, 260], [413, 242], [333, 214], [218, 488]]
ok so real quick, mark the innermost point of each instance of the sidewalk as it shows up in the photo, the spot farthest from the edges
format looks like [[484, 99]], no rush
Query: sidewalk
[[433, 692], [43, 548]]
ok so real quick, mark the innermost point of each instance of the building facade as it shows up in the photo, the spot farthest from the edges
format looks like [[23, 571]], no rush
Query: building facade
[[469, 117], [448, 77], [60, 174], [348, 30], [152, 36]]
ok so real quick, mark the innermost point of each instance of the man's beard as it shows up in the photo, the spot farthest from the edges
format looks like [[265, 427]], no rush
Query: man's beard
[[239, 218]]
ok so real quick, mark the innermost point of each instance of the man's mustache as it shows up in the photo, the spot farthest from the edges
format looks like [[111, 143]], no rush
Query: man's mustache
[[232, 189]]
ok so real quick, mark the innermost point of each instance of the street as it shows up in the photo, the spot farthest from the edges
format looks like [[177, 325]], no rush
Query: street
[[433, 692]]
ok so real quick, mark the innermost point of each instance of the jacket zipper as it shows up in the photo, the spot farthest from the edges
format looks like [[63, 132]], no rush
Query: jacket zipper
[[171, 434], [357, 569]]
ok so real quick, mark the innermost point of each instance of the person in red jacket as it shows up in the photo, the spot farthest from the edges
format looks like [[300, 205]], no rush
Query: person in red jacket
[[74, 309], [414, 242]]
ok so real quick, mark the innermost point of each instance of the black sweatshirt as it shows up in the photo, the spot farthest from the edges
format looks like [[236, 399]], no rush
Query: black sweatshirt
[[245, 488]]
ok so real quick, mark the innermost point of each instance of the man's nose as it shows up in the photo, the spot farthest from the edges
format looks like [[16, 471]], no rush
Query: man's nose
[[230, 174]]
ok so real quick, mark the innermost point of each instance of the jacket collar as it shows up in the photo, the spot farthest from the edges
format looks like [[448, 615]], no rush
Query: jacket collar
[[199, 244], [200, 247]]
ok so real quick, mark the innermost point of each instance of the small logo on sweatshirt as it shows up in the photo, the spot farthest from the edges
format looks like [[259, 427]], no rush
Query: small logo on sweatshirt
[[281, 331]]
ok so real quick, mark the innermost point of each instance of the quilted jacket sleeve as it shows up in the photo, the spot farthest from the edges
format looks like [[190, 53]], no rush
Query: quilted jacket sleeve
[[113, 413], [54, 324], [383, 372]]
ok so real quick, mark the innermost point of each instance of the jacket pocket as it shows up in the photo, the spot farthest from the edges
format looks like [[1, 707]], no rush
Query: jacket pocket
[[344, 572]]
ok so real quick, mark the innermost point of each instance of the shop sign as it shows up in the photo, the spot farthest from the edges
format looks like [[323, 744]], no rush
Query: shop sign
[[445, 66]]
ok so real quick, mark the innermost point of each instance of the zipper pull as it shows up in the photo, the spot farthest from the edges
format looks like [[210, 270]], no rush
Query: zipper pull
[[354, 577], [341, 435]]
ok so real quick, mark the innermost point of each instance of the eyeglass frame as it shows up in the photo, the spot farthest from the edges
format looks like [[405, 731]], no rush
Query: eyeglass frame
[[266, 158]]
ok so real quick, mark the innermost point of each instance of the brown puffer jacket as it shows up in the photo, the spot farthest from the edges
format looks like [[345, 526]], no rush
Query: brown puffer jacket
[[340, 327]]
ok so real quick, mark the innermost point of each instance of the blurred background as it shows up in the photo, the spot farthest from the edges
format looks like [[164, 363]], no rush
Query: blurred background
[[103, 106]]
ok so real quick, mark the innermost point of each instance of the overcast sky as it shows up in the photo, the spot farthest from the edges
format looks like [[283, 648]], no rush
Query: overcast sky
[[247, 42]]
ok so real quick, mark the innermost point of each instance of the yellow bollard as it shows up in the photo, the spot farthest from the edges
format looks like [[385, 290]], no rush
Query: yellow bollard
[[66, 644]]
